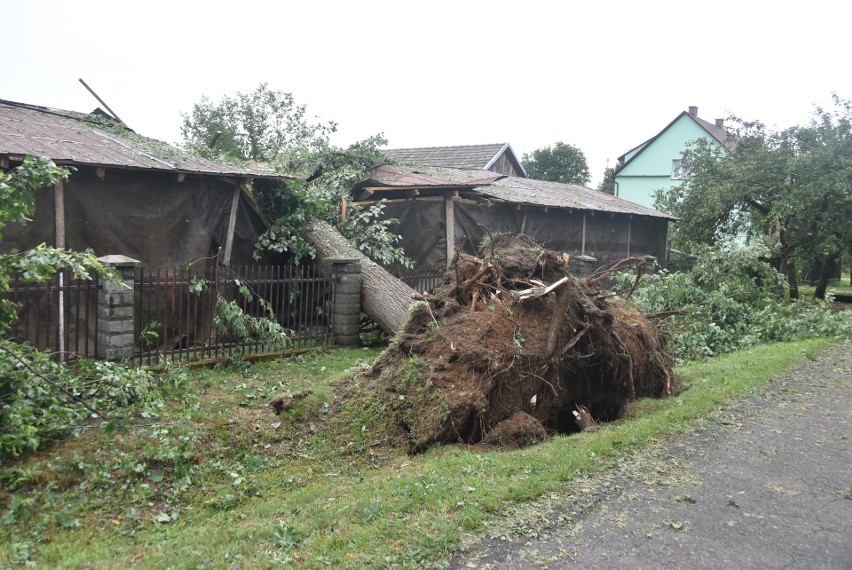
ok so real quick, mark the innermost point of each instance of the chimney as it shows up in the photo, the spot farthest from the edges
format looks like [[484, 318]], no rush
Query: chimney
[[693, 111], [720, 123]]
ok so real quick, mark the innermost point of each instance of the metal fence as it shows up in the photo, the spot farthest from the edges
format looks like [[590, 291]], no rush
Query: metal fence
[[178, 317], [422, 279], [60, 316]]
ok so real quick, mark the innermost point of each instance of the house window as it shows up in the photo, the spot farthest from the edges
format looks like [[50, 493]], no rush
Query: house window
[[679, 172]]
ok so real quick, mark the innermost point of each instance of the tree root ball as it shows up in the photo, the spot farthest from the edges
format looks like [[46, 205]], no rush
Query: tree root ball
[[511, 346]]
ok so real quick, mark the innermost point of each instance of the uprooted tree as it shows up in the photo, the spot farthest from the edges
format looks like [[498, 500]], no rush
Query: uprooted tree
[[513, 348]]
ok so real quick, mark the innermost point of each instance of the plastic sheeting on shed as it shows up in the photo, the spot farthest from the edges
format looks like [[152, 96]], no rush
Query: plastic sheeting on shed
[[148, 216], [423, 229]]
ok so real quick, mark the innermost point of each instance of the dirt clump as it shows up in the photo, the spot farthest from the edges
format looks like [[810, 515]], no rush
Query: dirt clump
[[518, 430], [511, 346]]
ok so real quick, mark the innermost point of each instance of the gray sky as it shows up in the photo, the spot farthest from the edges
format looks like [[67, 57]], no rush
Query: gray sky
[[603, 76]]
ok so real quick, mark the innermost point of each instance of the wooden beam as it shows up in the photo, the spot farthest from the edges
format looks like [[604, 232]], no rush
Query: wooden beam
[[181, 177], [450, 219], [4, 162], [366, 194], [412, 193], [232, 224], [343, 204], [100, 172]]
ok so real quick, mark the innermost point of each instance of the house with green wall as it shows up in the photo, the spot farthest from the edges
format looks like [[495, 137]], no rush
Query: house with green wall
[[656, 163]]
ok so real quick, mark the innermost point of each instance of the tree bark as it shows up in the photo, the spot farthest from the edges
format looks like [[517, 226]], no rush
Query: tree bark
[[825, 274], [787, 267], [384, 298]]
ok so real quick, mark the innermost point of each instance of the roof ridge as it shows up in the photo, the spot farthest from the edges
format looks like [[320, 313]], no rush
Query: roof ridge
[[449, 146]]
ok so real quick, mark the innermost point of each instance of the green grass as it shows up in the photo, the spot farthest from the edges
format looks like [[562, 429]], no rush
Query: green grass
[[313, 490]]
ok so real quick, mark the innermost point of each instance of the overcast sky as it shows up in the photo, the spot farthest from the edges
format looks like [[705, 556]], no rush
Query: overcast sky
[[603, 76]]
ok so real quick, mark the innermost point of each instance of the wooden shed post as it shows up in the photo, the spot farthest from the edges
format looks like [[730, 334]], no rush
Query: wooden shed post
[[232, 221], [450, 217]]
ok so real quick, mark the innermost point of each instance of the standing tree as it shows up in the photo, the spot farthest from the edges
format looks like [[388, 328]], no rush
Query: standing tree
[[608, 183], [561, 163], [268, 128], [265, 126], [794, 185]]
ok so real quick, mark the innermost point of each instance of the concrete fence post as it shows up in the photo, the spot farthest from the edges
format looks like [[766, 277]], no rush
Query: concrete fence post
[[116, 309], [346, 300]]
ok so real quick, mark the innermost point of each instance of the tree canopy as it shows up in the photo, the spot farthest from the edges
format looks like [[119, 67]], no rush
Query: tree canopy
[[267, 127], [608, 183], [794, 185], [560, 163]]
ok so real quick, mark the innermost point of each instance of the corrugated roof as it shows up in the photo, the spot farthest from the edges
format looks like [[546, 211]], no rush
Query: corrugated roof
[[557, 195], [466, 156], [69, 137], [407, 177], [511, 189]]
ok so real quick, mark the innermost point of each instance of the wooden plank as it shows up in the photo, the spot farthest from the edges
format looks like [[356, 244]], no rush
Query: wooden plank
[[232, 224], [365, 194]]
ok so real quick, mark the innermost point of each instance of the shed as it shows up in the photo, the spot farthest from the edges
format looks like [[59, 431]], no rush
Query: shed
[[441, 209], [128, 194]]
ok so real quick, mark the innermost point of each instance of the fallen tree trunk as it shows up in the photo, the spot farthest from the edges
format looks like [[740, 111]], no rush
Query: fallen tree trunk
[[384, 298]]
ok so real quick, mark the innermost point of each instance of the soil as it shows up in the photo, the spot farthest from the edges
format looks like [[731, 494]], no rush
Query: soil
[[492, 343], [763, 483]]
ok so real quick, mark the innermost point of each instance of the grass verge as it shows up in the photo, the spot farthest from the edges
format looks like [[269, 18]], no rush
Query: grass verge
[[232, 484]]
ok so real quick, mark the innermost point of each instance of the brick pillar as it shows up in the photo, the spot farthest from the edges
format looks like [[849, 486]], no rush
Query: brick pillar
[[585, 265], [116, 310], [650, 265], [346, 300]]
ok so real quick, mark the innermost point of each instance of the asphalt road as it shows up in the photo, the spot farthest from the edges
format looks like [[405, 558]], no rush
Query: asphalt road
[[765, 483]]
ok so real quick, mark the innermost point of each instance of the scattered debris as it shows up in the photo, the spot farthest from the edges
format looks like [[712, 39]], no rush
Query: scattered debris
[[285, 402]]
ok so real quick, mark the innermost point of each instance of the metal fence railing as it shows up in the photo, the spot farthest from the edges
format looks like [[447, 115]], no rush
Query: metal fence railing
[[59, 316], [422, 279], [178, 319]]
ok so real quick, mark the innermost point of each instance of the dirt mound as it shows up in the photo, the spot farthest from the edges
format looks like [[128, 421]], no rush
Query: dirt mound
[[511, 346]]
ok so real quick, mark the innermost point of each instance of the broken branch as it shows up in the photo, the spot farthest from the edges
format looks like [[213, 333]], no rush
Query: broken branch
[[602, 274]]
